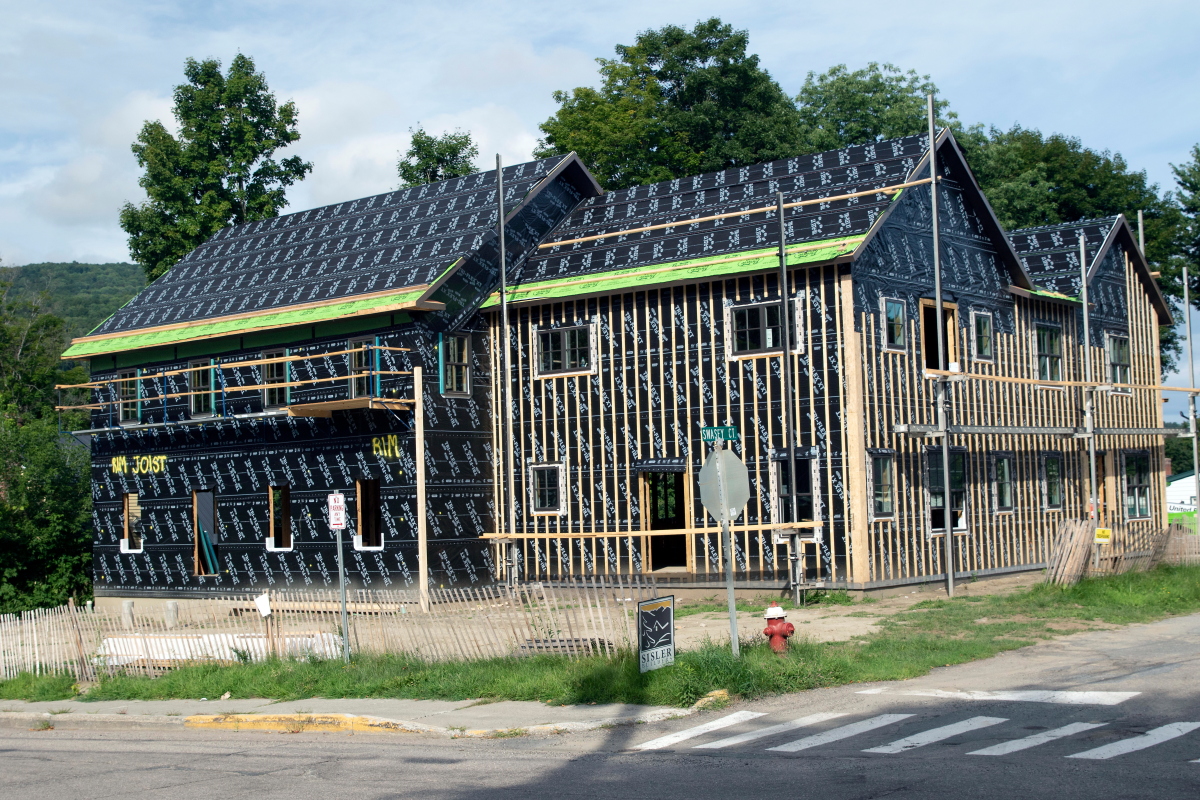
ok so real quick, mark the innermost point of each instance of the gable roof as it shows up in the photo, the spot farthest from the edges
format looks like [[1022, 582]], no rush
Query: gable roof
[[701, 247], [1050, 253], [379, 253]]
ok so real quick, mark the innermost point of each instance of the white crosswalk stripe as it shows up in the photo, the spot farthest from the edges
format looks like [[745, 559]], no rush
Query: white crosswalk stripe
[[1024, 696], [742, 738], [837, 734], [1027, 742], [936, 735], [1147, 739], [699, 730]]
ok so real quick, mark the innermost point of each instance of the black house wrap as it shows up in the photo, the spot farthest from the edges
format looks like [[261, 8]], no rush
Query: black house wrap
[[274, 365]]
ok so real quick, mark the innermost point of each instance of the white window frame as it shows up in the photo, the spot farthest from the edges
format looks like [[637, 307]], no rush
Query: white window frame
[[797, 328], [884, 344], [446, 365], [123, 380], [287, 392], [194, 369], [1108, 363], [991, 359], [561, 468], [593, 350]]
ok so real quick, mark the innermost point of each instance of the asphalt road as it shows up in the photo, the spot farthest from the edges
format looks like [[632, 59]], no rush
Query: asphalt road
[[1114, 714]]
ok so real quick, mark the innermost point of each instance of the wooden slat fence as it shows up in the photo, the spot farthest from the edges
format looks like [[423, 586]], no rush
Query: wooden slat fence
[[576, 617], [1075, 555]]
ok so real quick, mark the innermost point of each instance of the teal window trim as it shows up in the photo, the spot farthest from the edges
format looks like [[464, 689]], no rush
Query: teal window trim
[[287, 376], [441, 351], [376, 379], [138, 384]]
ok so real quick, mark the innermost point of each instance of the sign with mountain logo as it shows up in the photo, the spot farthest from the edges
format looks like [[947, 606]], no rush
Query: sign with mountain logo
[[656, 633]]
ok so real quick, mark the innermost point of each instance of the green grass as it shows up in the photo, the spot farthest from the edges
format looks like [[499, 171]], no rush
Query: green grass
[[758, 605], [932, 634]]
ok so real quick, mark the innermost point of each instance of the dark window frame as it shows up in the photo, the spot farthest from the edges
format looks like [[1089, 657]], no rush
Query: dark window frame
[[280, 533], [891, 327], [368, 508], [751, 332], [129, 397], [566, 350], [1053, 482], [1136, 496], [805, 489], [542, 493], [1119, 372], [976, 318], [959, 495], [276, 397], [360, 367], [1011, 482], [1048, 365], [888, 487], [201, 389], [456, 367], [132, 530]]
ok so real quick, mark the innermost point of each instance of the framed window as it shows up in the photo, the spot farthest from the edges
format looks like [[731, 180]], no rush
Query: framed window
[[929, 335], [280, 509], [456, 371], [547, 488], [131, 514], [756, 329], [1137, 485], [274, 373], [936, 491], [128, 393], [1119, 370], [883, 485], [803, 501], [1052, 481], [204, 523], [1003, 483], [370, 516], [200, 383], [981, 327], [895, 325], [563, 350], [1049, 352], [361, 361]]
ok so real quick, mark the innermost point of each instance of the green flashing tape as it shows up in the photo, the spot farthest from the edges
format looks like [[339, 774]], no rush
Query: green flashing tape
[[673, 272], [198, 330]]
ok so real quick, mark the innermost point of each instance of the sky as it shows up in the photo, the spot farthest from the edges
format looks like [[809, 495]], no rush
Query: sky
[[78, 79]]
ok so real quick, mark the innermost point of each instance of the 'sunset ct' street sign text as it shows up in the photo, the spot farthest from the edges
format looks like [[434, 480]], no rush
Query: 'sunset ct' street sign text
[[727, 433], [337, 511]]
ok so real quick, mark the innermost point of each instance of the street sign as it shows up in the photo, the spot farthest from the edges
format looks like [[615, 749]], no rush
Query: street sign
[[724, 466], [337, 511], [726, 433], [656, 633]]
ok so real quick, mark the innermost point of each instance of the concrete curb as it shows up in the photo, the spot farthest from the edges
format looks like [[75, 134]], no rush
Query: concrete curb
[[307, 723]]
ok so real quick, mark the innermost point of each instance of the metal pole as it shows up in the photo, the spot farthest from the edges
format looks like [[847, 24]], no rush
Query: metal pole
[[1089, 393], [342, 590], [727, 543], [1187, 311], [785, 361], [508, 494], [941, 386]]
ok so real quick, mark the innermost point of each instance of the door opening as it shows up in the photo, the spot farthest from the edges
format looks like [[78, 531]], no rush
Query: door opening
[[667, 513]]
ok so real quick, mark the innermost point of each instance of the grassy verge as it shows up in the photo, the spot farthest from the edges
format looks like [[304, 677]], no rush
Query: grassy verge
[[758, 605], [931, 634]]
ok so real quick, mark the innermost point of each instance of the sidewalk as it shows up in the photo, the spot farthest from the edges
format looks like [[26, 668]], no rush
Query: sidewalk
[[446, 718]]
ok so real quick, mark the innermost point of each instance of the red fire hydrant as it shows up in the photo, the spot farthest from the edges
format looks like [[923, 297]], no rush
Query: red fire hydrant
[[778, 628]]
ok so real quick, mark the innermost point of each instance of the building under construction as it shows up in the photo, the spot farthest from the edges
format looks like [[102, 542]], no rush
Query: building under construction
[[527, 400]]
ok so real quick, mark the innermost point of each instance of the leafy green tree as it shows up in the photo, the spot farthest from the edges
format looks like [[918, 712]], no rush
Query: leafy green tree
[[1180, 452], [1187, 179], [675, 103], [436, 158], [221, 169], [31, 341], [839, 108], [84, 295]]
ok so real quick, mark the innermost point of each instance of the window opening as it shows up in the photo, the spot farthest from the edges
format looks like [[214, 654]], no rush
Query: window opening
[[757, 329], [200, 379], [1053, 467], [883, 482], [204, 514], [983, 336], [360, 357], [929, 337], [546, 490], [667, 513], [127, 391], [1137, 486], [564, 350], [1004, 483], [370, 517], [281, 517], [958, 492], [132, 540], [894, 324], [275, 396], [1049, 353], [1118, 360], [804, 490], [456, 377]]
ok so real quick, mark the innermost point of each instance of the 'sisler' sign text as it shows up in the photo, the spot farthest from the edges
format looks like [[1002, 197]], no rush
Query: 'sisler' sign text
[[656, 633]]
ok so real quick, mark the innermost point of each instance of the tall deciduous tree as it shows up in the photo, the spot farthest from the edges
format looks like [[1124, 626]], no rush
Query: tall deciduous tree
[[674, 103], [435, 158], [839, 108], [220, 170]]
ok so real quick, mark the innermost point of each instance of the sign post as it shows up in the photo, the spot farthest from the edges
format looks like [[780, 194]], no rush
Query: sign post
[[656, 633], [337, 521], [724, 491]]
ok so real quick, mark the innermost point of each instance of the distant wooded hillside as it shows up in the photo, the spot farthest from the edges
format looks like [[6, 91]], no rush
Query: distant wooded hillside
[[84, 295]]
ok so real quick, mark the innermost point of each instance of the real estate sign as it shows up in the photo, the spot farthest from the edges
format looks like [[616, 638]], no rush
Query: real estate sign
[[656, 633]]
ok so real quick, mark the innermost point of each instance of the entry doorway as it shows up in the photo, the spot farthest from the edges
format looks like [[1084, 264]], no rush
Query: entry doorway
[[667, 511]]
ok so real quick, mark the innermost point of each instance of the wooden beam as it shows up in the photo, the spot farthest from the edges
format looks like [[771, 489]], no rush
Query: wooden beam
[[854, 437], [422, 537]]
